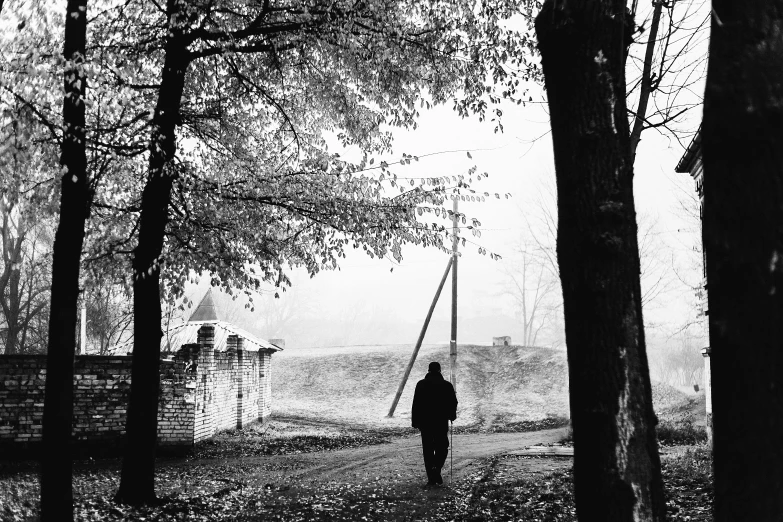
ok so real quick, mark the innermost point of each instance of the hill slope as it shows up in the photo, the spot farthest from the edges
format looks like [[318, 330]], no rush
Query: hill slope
[[357, 384]]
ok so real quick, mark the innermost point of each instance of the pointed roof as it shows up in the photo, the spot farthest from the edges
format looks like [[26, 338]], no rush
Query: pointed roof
[[206, 311]]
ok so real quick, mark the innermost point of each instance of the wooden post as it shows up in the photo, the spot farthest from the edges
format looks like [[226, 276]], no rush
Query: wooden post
[[455, 258], [419, 341]]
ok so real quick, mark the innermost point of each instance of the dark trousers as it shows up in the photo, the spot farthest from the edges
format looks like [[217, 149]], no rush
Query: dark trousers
[[435, 446]]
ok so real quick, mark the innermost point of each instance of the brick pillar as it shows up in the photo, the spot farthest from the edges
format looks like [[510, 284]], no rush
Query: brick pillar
[[265, 384], [240, 345], [205, 417], [231, 351], [206, 337], [261, 383], [231, 343]]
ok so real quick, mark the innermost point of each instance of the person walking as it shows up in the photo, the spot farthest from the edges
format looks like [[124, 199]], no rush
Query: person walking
[[434, 405]]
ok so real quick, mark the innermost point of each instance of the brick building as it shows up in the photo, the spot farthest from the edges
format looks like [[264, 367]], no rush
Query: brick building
[[214, 376]]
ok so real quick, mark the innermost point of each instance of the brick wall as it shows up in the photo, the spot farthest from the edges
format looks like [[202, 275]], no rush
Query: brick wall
[[224, 394], [233, 387], [100, 400], [101, 390], [22, 379], [264, 373], [202, 391], [176, 404]]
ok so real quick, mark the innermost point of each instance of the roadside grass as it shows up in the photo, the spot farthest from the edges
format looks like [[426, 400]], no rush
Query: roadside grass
[[214, 494], [501, 425], [286, 436], [682, 422], [670, 433], [687, 476], [680, 433]]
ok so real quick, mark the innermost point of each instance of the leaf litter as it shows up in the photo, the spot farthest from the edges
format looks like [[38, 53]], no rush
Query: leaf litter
[[212, 486]]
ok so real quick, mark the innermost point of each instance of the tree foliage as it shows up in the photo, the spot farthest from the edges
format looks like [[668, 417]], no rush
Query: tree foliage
[[26, 235], [237, 148]]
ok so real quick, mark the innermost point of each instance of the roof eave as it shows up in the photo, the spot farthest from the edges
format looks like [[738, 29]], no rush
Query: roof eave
[[692, 153]]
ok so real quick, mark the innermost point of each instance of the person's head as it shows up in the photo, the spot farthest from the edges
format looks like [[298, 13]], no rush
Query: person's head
[[434, 367]]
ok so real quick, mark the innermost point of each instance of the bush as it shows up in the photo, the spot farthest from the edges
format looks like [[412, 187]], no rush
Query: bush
[[680, 433]]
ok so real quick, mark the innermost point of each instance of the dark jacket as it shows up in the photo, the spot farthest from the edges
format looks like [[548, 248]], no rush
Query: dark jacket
[[434, 401]]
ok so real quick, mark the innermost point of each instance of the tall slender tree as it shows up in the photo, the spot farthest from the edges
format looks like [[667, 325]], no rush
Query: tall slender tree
[[743, 240], [56, 467], [584, 46], [138, 470]]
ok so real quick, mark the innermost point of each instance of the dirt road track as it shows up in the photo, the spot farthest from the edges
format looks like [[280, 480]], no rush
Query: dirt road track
[[398, 462]]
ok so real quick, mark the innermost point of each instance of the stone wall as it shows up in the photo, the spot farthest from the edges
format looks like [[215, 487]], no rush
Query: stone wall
[[101, 391]]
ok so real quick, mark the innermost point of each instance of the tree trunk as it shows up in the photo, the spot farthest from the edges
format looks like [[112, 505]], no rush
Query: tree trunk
[[13, 237], [645, 89], [616, 464], [743, 217], [137, 483], [56, 489], [12, 317]]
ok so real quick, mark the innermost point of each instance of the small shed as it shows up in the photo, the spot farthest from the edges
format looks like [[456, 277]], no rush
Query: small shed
[[231, 369], [504, 340]]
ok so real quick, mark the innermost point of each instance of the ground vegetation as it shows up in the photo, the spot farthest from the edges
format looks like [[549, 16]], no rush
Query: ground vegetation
[[219, 484]]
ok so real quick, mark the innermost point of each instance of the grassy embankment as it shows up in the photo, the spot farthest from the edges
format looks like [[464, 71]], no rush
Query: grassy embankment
[[498, 388]]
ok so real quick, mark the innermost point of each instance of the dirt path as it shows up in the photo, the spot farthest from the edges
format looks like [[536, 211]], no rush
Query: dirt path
[[373, 483], [383, 482], [398, 461]]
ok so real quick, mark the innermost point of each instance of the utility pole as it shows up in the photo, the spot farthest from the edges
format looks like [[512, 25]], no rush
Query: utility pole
[[455, 258], [452, 265], [419, 341]]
